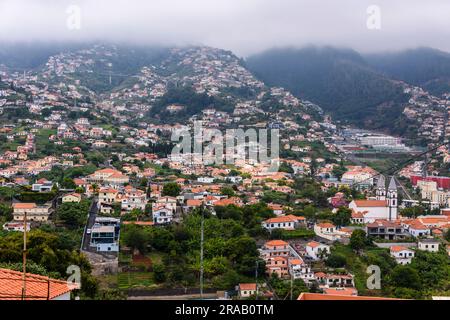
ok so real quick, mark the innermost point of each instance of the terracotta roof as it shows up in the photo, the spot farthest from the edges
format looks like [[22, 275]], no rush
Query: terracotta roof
[[289, 218], [383, 223], [358, 214], [247, 286], [275, 243], [24, 205], [399, 248], [319, 296], [371, 203], [313, 244], [320, 275], [341, 291], [37, 286], [296, 261], [417, 225], [194, 203], [326, 225], [108, 190]]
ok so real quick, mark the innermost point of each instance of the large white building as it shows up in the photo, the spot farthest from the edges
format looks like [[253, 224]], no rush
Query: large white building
[[385, 207]]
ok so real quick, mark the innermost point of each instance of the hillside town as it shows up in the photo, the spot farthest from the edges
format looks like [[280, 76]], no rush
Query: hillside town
[[95, 174]]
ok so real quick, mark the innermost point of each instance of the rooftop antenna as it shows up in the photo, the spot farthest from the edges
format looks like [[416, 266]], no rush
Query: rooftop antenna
[[24, 257]]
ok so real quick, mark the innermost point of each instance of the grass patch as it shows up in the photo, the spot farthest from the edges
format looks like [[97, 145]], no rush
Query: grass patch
[[298, 234], [128, 280]]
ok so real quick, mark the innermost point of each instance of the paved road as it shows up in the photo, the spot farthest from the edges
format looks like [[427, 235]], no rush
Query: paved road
[[91, 220]]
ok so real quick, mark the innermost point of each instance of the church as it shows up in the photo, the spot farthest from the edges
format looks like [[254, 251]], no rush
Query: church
[[384, 207]]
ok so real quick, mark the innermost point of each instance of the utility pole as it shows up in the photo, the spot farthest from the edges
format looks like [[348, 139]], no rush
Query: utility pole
[[256, 278], [201, 252], [24, 257], [292, 284]]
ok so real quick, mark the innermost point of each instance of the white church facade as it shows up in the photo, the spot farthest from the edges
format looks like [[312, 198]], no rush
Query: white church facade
[[384, 207]]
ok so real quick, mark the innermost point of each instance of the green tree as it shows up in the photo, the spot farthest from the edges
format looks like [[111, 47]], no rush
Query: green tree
[[227, 191], [358, 240], [135, 238], [159, 273], [447, 235], [68, 183], [338, 171], [171, 189], [6, 211], [336, 260], [405, 277], [73, 215], [342, 217]]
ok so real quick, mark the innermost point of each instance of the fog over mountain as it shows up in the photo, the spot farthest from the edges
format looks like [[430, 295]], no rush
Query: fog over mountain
[[246, 27]]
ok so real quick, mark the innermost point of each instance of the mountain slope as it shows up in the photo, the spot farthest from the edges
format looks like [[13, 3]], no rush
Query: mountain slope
[[340, 81], [425, 67]]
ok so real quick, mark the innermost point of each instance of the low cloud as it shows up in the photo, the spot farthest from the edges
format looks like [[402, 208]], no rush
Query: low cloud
[[244, 26]]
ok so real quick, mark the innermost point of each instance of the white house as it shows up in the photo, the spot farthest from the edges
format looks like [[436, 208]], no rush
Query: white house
[[430, 245], [300, 270], [418, 229], [327, 231], [317, 250], [16, 226], [289, 222], [205, 179], [402, 254], [246, 290], [162, 215]]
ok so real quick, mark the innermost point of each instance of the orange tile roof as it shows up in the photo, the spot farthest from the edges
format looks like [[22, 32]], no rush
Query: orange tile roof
[[341, 291], [326, 225], [276, 243], [289, 218], [371, 203], [194, 203], [37, 286], [296, 261], [417, 225], [399, 248], [108, 190], [313, 244], [25, 206], [319, 296], [247, 286]]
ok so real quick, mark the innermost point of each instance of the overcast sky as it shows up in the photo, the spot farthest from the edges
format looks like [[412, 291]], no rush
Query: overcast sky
[[244, 26]]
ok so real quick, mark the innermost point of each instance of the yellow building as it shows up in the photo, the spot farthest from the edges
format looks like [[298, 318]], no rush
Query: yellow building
[[72, 198]]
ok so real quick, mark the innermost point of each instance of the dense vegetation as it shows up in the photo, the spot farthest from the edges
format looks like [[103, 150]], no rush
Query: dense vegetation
[[192, 103], [230, 254], [340, 81], [425, 67]]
